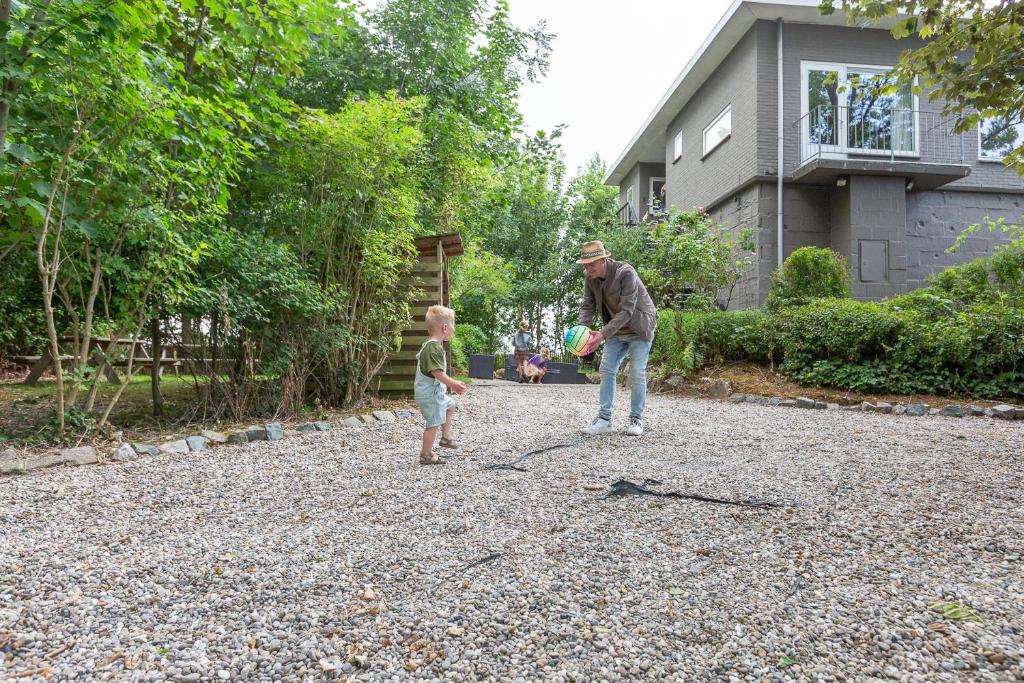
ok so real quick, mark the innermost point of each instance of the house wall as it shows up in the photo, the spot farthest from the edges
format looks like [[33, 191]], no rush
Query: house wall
[[934, 219], [631, 178], [646, 172], [871, 216], [693, 181], [742, 210], [846, 45]]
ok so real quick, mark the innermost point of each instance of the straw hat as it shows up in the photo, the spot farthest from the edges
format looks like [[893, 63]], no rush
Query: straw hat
[[593, 251]]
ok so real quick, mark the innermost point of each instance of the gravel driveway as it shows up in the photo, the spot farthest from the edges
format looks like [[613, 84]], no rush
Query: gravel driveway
[[334, 555]]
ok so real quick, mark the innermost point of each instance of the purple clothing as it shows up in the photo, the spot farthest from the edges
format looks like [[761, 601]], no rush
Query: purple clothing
[[538, 360]]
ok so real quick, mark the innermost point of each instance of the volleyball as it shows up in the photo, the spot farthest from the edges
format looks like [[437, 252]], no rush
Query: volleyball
[[576, 339]]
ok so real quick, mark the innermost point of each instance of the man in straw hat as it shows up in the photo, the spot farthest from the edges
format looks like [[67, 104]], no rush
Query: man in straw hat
[[614, 290]]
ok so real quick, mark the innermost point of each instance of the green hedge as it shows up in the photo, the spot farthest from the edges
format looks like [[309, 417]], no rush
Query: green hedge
[[686, 340], [927, 341]]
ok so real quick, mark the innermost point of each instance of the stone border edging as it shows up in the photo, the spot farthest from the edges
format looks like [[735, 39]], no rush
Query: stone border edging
[[13, 463]]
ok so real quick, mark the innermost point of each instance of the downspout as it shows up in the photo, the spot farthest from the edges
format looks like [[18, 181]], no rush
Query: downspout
[[780, 171]]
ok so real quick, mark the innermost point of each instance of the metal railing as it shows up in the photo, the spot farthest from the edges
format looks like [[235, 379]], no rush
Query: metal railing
[[853, 132], [626, 214]]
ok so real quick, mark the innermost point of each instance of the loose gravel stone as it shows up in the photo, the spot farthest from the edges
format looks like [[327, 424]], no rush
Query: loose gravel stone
[[340, 557]]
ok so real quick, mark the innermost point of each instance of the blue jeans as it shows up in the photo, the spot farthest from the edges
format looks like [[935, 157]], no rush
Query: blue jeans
[[615, 349]]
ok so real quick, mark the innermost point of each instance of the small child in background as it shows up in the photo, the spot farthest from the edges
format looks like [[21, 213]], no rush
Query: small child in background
[[429, 388], [536, 368]]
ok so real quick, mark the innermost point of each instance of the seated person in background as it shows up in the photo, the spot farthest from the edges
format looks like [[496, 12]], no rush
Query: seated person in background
[[536, 368]]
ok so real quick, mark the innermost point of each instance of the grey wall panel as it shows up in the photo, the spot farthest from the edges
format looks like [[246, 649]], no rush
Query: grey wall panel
[[696, 181], [935, 219]]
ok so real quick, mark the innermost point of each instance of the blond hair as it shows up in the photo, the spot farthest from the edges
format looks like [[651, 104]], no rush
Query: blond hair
[[439, 315]]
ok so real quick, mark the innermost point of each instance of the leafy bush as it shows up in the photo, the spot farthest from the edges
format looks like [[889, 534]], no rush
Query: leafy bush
[[809, 273], [468, 339], [23, 330], [964, 333], [685, 256], [686, 340], [879, 347]]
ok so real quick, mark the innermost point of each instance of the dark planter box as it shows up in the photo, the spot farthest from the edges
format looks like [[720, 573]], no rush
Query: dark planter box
[[481, 366]]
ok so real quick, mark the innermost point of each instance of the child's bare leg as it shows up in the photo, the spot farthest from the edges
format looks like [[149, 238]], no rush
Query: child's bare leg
[[429, 434], [446, 429]]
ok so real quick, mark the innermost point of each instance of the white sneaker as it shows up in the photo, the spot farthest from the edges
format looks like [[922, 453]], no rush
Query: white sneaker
[[635, 426], [598, 426]]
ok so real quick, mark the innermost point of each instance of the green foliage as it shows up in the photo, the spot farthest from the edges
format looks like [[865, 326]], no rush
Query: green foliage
[[20, 307], [956, 612], [971, 59], [468, 339], [481, 282], [895, 348], [686, 340], [809, 273], [962, 334], [304, 288], [687, 255]]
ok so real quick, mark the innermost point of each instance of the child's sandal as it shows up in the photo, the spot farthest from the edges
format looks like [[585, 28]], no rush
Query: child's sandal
[[448, 443], [431, 459]]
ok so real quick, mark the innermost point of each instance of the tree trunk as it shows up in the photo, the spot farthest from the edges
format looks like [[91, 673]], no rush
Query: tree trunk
[[157, 353]]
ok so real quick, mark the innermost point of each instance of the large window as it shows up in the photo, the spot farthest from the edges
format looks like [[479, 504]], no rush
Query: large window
[[997, 137], [843, 113], [718, 131], [677, 146]]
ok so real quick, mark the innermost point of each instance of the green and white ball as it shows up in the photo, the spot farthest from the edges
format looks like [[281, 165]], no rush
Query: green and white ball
[[576, 339]]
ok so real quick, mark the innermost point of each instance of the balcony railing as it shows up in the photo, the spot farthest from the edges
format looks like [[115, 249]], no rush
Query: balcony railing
[[864, 132], [627, 216]]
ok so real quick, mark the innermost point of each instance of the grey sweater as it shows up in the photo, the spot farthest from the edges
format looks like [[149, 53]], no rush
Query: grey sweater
[[622, 300]]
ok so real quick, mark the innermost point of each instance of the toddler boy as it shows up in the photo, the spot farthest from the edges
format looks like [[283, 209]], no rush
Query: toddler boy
[[436, 405]]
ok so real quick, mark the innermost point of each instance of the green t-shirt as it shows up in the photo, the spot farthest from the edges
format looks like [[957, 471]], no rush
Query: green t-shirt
[[432, 357]]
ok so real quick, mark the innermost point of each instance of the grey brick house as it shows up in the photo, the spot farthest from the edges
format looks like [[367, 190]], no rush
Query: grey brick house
[[883, 181]]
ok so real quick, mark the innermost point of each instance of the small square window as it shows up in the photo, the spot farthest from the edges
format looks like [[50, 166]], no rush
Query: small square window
[[718, 131], [677, 146]]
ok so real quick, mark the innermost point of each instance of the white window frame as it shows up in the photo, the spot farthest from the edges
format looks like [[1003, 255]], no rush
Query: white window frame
[[995, 160], [843, 150], [704, 135], [629, 197], [677, 147], [650, 192]]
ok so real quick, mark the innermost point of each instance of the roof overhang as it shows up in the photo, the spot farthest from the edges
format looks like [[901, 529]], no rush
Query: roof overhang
[[648, 144]]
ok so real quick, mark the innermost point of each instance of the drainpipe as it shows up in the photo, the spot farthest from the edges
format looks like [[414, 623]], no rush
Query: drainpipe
[[778, 180]]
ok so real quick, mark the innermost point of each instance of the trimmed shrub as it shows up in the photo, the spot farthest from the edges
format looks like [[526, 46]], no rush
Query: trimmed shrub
[[809, 273], [962, 334], [686, 340], [877, 347]]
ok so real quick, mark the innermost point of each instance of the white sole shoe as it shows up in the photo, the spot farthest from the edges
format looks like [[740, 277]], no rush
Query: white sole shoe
[[634, 429], [598, 426]]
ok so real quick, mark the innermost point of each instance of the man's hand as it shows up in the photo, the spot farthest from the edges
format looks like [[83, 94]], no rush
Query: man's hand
[[595, 340], [457, 387]]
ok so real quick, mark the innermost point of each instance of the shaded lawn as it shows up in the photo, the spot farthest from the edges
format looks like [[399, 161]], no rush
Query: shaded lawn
[[26, 412]]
